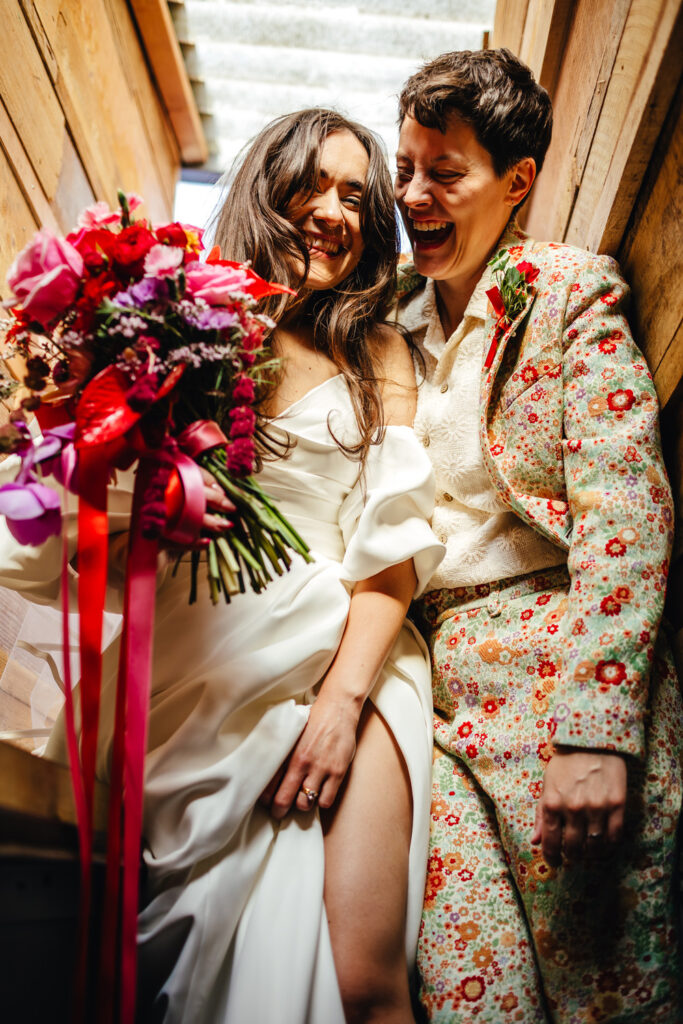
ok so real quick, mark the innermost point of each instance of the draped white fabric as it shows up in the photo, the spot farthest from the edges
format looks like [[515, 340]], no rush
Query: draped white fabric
[[233, 926]]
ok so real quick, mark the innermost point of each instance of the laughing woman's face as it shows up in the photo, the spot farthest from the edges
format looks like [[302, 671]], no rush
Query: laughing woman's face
[[329, 219], [452, 202]]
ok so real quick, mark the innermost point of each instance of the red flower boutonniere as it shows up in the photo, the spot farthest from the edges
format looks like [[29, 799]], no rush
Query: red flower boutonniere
[[509, 295]]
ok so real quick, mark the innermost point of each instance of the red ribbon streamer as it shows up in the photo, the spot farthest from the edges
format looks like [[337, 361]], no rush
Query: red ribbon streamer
[[119, 934]]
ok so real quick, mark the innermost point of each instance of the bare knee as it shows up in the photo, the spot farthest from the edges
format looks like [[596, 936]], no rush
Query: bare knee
[[373, 991]]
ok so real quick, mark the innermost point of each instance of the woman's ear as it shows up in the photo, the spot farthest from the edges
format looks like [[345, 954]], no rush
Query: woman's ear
[[521, 178]]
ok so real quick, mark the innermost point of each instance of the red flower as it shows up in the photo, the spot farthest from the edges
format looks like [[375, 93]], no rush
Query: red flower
[[465, 729], [472, 989], [240, 456], [132, 244], [471, 750], [621, 401], [610, 299], [95, 290], [243, 421], [528, 271], [547, 668], [614, 548], [610, 673], [172, 234], [609, 605]]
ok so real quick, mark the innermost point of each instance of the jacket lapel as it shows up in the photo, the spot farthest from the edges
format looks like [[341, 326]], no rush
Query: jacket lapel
[[494, 349]]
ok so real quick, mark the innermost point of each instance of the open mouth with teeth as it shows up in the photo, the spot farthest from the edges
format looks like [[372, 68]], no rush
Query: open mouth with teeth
[[429, 234], [321, 246]]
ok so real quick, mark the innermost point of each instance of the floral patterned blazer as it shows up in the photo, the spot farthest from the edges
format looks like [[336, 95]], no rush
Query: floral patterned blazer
[[570, 437]]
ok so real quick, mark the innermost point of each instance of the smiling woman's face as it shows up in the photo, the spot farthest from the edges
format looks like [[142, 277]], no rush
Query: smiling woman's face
[[453, 204], [329, 219]]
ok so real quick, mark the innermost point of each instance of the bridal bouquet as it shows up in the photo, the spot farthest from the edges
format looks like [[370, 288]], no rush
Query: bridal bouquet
[[133, 351], [127, 337]]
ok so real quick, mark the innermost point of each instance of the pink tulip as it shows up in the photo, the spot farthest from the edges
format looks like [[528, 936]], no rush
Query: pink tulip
[[45, 276], [216, 284]]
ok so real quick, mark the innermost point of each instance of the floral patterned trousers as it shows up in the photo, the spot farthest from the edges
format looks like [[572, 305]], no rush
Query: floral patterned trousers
[[504, 936]]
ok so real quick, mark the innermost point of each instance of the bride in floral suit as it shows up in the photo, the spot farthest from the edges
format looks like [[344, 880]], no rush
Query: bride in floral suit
[[557, 775]]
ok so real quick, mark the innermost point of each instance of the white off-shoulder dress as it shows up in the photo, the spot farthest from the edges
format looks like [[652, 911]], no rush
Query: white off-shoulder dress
[[233, 926]]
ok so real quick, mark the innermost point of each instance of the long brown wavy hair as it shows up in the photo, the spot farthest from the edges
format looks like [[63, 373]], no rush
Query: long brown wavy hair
[[252, 224]]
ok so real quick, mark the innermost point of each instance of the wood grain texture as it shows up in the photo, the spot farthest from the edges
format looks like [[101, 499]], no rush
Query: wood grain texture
[[545, 32], [41, 788], [509, 23], [644, 77], [166, 61], [29, 98], [650, 255], [586, 66], [17, 219]]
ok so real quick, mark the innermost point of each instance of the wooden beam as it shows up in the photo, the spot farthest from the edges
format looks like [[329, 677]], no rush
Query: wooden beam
[[646, 72], [508, 24], [166, 61], [545, 34], [38, 788], [27, 179]]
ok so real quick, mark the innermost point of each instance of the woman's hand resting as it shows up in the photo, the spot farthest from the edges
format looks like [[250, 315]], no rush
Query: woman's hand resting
[[319, 760], [581, 810]]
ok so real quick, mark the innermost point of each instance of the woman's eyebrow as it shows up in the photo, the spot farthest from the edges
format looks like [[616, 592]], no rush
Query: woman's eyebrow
[[351, 183]]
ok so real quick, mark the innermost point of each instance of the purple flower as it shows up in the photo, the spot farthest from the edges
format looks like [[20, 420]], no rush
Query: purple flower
[[216, 319], [147, 290], [32, 512]]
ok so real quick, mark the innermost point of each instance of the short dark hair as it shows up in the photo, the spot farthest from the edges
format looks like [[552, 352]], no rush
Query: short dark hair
[[491, 90]]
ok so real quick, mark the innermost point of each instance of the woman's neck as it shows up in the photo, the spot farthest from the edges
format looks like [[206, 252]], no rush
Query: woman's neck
[[452, 298]]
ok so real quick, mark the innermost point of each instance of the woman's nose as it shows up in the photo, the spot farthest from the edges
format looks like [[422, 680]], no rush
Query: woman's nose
[[329, 208], [416, 192]]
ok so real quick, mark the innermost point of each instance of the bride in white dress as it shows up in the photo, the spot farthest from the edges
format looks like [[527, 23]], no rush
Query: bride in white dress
[[288, 771]]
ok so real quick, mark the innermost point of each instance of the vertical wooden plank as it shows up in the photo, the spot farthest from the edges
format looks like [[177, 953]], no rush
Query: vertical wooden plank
[[23, 172], [545, 33], [586, 67], [166, 61], [640, 89], [26, 91], [163, 144], [17, 219], [650, 253], [105, 122], [508, 24]]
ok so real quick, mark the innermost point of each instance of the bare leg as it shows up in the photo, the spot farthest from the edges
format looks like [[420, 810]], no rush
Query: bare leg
[[367, 839]]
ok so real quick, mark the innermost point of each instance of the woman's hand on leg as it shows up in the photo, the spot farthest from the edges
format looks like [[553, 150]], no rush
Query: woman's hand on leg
[[319, 761]]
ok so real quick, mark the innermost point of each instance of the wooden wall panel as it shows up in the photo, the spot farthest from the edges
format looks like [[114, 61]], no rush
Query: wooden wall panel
[[81, 115], [650, 257], [17, 219], [29, 98]]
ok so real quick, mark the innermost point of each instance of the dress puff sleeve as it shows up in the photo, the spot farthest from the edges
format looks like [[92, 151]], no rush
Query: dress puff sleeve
[[384, 519]]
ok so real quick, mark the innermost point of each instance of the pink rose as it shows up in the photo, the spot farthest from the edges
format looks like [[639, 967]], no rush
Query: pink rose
[[216, 284], [163, 260], [45, 276]]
